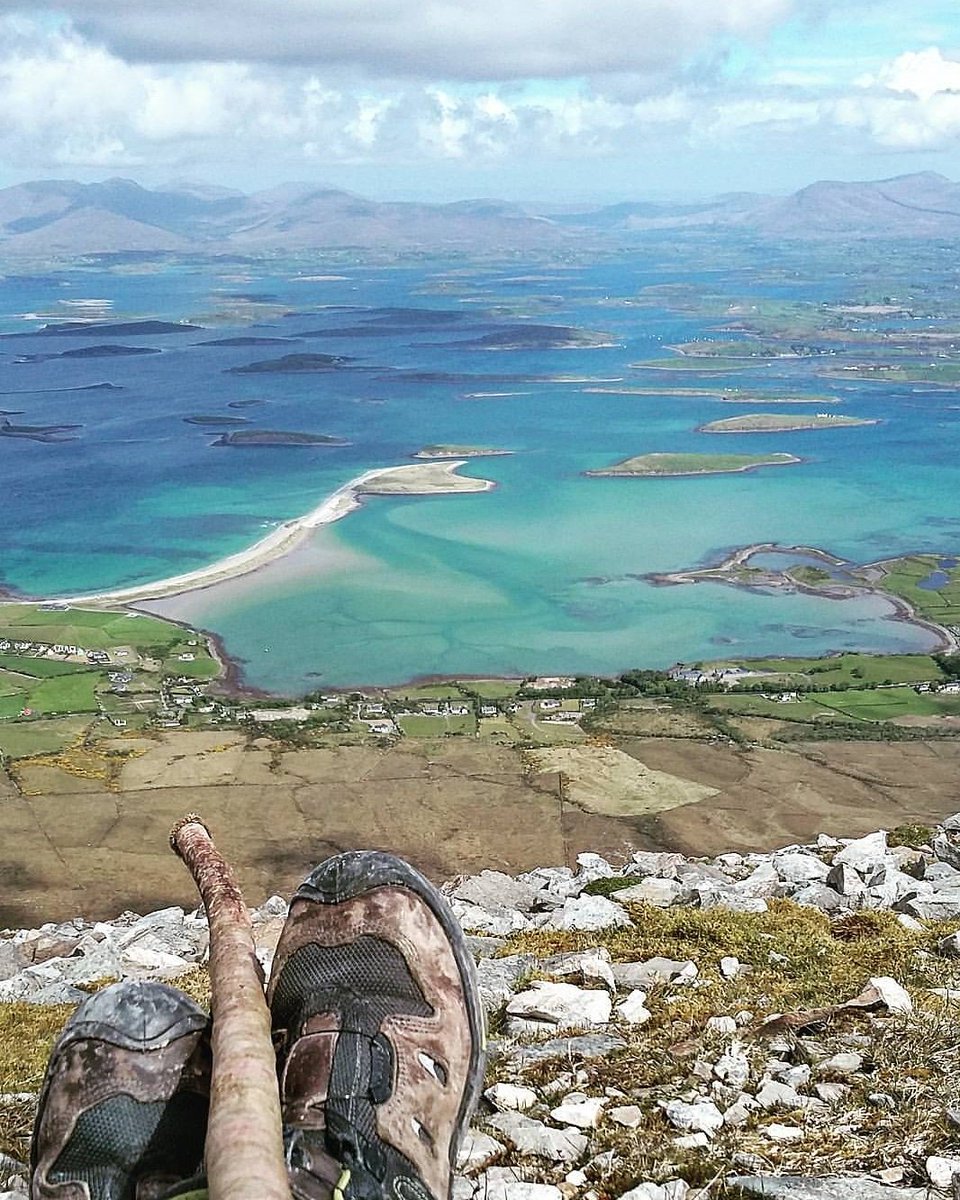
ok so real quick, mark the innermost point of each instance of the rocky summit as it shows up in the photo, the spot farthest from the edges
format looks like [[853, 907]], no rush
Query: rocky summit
[[665, 1028]]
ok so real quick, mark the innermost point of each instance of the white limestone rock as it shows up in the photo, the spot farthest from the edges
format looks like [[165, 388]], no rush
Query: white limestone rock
[[589, 913], [510, 1097], [702, 1116], [533, 1137], [561, 1005], [477, 1150], [633, 1009], [584, 1112], [864, 854]]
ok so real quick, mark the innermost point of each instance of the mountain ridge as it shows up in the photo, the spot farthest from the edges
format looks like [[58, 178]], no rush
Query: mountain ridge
[[62, 216]]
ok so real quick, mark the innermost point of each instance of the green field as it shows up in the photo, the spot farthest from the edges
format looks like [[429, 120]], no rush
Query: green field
[[942, 604], [426, 691], [431, 727], [492, 689], [844, 668], [880, 704], [88, 628], [50, 687], [21, 739], [39, 668]]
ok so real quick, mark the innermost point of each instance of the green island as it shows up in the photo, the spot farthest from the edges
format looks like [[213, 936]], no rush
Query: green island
[[724, 395], [666, 464], [276, 437], [944, 374], [452, 451], [740, 349], [700, 363], [782, 423]]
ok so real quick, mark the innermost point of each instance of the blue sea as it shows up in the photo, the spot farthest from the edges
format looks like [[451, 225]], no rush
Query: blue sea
[[543, 574]]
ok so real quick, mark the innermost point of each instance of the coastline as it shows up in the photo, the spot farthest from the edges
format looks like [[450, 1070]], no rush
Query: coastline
[[724, 572], [419, 479]]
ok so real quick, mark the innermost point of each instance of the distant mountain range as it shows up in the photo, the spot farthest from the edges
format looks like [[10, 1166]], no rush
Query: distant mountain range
[[61, 217]]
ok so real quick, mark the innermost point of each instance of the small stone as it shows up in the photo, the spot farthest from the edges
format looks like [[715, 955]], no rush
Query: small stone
[[783, 1133], [632, 1009], [562, 1005], [911, 924], [645, 1191], [583, 1112], [733, 1068], [778, 1095], [891, 1175], [588, 964], [589, 913], [661, 893], [508, 1097], [721, 1025], [883, 992], [630, 1116], [831, 1093], [882, 1100], [864, 854], [476, 1150], [730, 967], [692, 1141], [653, 971], [497, 977], [533, 1137], [577, 1179], [800, 868], [941, 1171], [840, 1064], [703, 1116]]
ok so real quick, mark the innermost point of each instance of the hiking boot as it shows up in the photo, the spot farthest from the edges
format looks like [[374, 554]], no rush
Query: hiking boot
[[123, 1110], [379, 1033]]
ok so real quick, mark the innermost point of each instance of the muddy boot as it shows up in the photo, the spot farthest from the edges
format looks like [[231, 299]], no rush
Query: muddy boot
[[123, 1110], [379, 1033]]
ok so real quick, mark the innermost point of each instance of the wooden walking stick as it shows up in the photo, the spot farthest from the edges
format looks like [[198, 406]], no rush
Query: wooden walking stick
[[244, 1151]]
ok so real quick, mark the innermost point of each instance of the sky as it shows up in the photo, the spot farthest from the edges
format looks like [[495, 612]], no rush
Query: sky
[[569, 101]]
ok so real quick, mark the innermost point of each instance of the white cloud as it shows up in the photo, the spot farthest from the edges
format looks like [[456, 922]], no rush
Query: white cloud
[[912, 103], [430, 39]]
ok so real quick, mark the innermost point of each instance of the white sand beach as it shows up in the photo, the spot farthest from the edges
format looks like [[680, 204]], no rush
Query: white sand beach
[[417, 479]]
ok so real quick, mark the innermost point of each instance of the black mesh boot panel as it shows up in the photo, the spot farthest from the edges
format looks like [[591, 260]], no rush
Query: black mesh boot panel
[[122, 1140], [366, 980]]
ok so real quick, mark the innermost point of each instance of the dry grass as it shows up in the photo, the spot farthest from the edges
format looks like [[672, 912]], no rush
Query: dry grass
[[799, 960]]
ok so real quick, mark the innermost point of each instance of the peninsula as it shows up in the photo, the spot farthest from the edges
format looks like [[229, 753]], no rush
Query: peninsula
[[416, 479], [661, 465], [783, 423], [924, 589]]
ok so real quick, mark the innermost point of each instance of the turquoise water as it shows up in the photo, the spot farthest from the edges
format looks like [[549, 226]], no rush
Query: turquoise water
[[542, 574]]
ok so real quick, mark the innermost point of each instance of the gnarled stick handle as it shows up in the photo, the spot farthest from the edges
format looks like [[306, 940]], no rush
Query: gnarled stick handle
[[244, 1153]]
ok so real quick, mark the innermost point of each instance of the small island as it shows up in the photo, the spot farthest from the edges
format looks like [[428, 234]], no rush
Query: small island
[[247, 340], [292, 364], [661, 465], [213, 419], [37, 433], [276, 437], [445, 451], [783, 423], [542, 337]]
